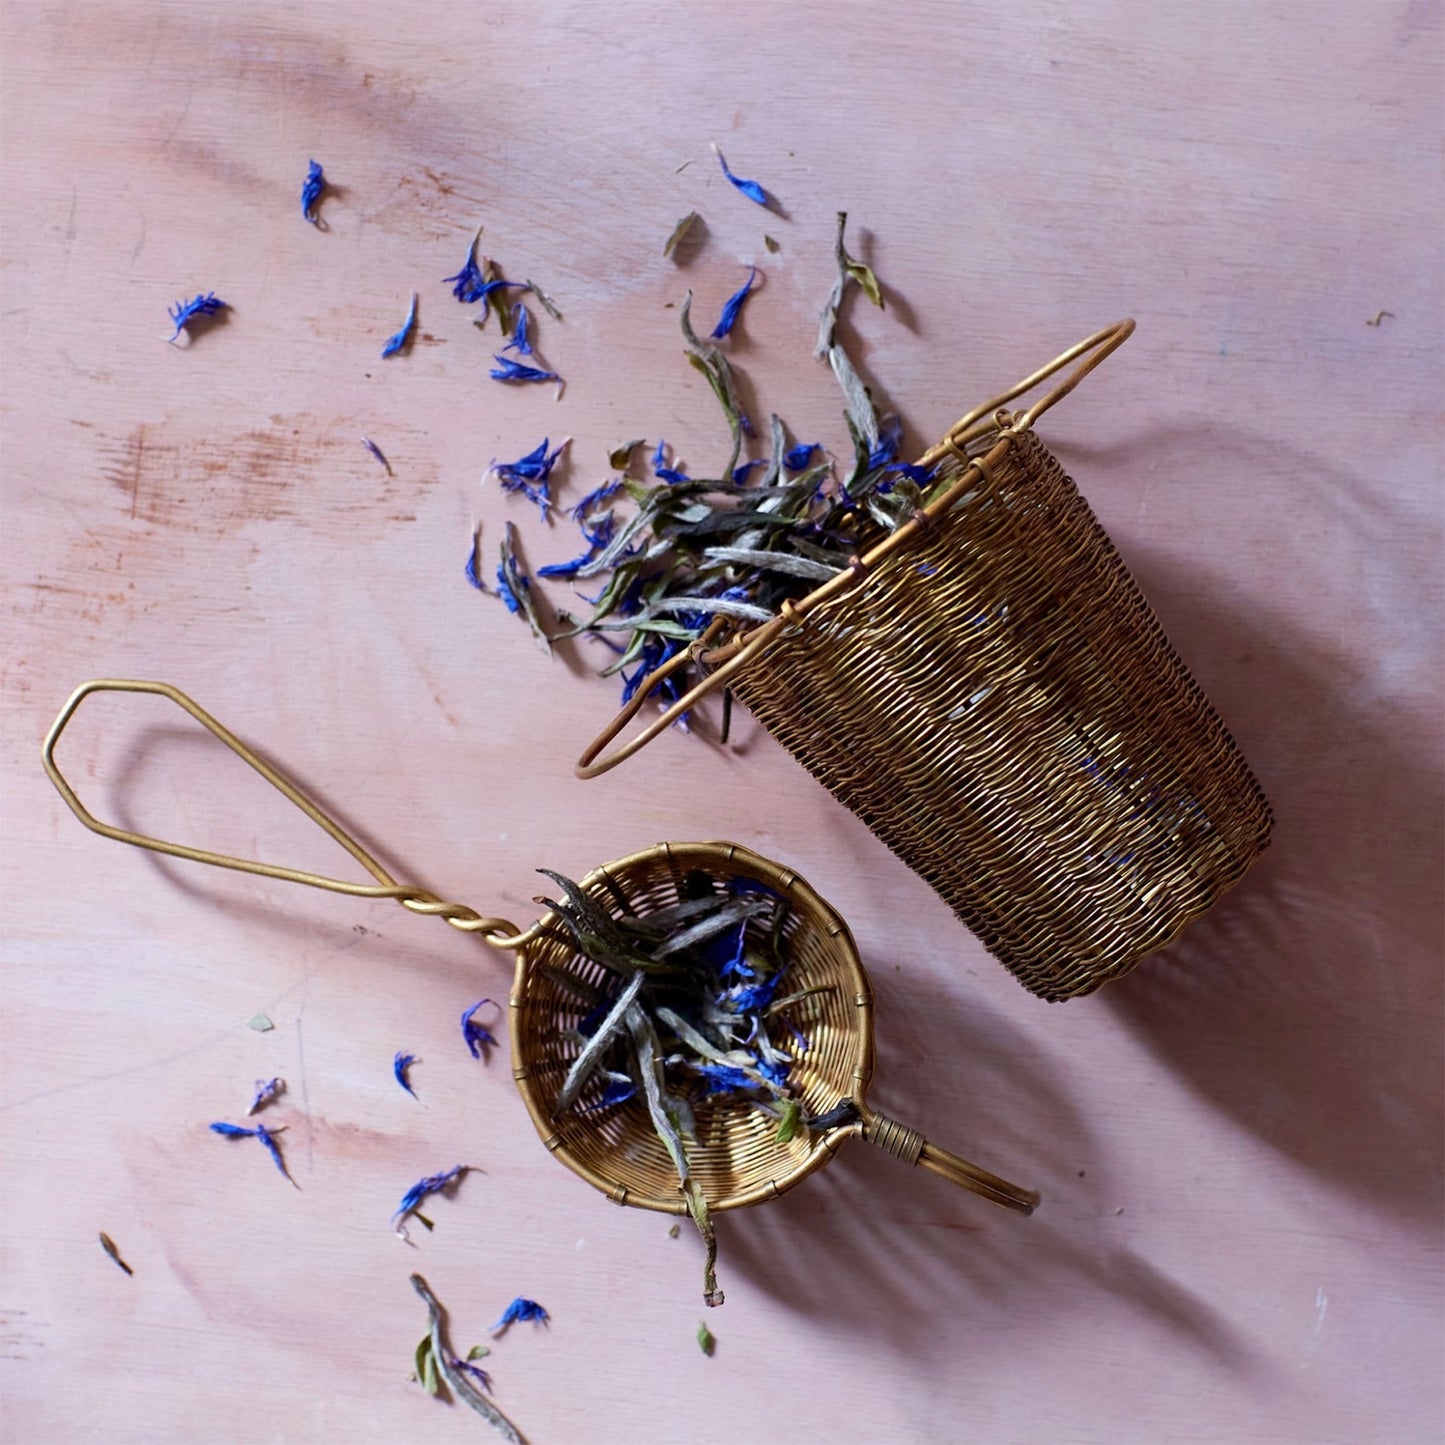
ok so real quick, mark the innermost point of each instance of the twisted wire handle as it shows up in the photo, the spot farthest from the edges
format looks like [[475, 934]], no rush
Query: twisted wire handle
[[907, 1144], [496, 931]]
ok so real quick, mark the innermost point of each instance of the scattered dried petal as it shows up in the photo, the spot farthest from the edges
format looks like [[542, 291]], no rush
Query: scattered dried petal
[[521, 1311], [432, 1184], [751, 189], [183, 313], [266, 1090], [402, 337], [733, 306], [377, 452], [508, 370], [469, 278], [268, 1139], [311, 192], [521, 341], [478, 1039]]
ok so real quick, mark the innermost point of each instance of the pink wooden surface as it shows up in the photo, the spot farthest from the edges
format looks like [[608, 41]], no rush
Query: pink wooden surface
[[1239, 1147]]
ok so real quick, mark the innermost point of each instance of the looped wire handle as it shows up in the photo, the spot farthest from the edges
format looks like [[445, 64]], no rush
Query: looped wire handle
[[1095, 348], [912, 1148], [732, 656], [495, 931]]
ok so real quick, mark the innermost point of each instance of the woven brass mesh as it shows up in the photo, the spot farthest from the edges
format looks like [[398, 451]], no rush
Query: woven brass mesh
[[737, 1160], [1000, 705]]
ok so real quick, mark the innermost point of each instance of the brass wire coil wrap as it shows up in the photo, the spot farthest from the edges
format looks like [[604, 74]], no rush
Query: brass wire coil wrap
[[737, 1160], [989, 690]]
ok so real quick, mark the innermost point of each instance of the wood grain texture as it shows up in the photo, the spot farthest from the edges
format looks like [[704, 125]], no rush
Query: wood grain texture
[[1239, 1147]]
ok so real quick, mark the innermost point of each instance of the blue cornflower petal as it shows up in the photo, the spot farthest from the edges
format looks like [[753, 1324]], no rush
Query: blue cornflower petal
[[733, 306], [377, 452], [921, 475], [497, 283], [774, 1073], [751, 189], [751, 999], [470, 276], [311, 191], [401, 338], [618, 1091], [529, 474], [722, 1078], [521, 326], [532, 467], [799, 456], [725, 953], [399, 1066], [661, 471], [267, 1138], [476, 1371], [478, 1038], [473, 576], [596, 497], [507, 370], [432, 1184], [521, 1311], [744, 470], [890, 438], [266, 1090], [184, 312], [568, 569]]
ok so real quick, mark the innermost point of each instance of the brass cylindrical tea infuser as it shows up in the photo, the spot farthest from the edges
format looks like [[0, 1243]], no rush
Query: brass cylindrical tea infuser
[[737, 1159], [989, 690]]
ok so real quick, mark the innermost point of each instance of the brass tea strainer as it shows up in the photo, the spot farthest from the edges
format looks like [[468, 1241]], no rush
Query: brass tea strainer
[[736, 1160]]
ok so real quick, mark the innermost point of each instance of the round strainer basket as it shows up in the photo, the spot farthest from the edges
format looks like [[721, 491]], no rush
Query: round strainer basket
[[737, 1160]]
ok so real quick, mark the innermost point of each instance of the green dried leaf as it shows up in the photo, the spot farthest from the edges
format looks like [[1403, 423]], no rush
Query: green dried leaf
[[850, 266], [679, 232], [519, 585], [426, 1367], [619, 457], [712, 1296], [788, 1124], [675, 1231], [772, 245], [707, 359], [705, 1340], [544, 300], [478, 1352], [260, 1023]]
